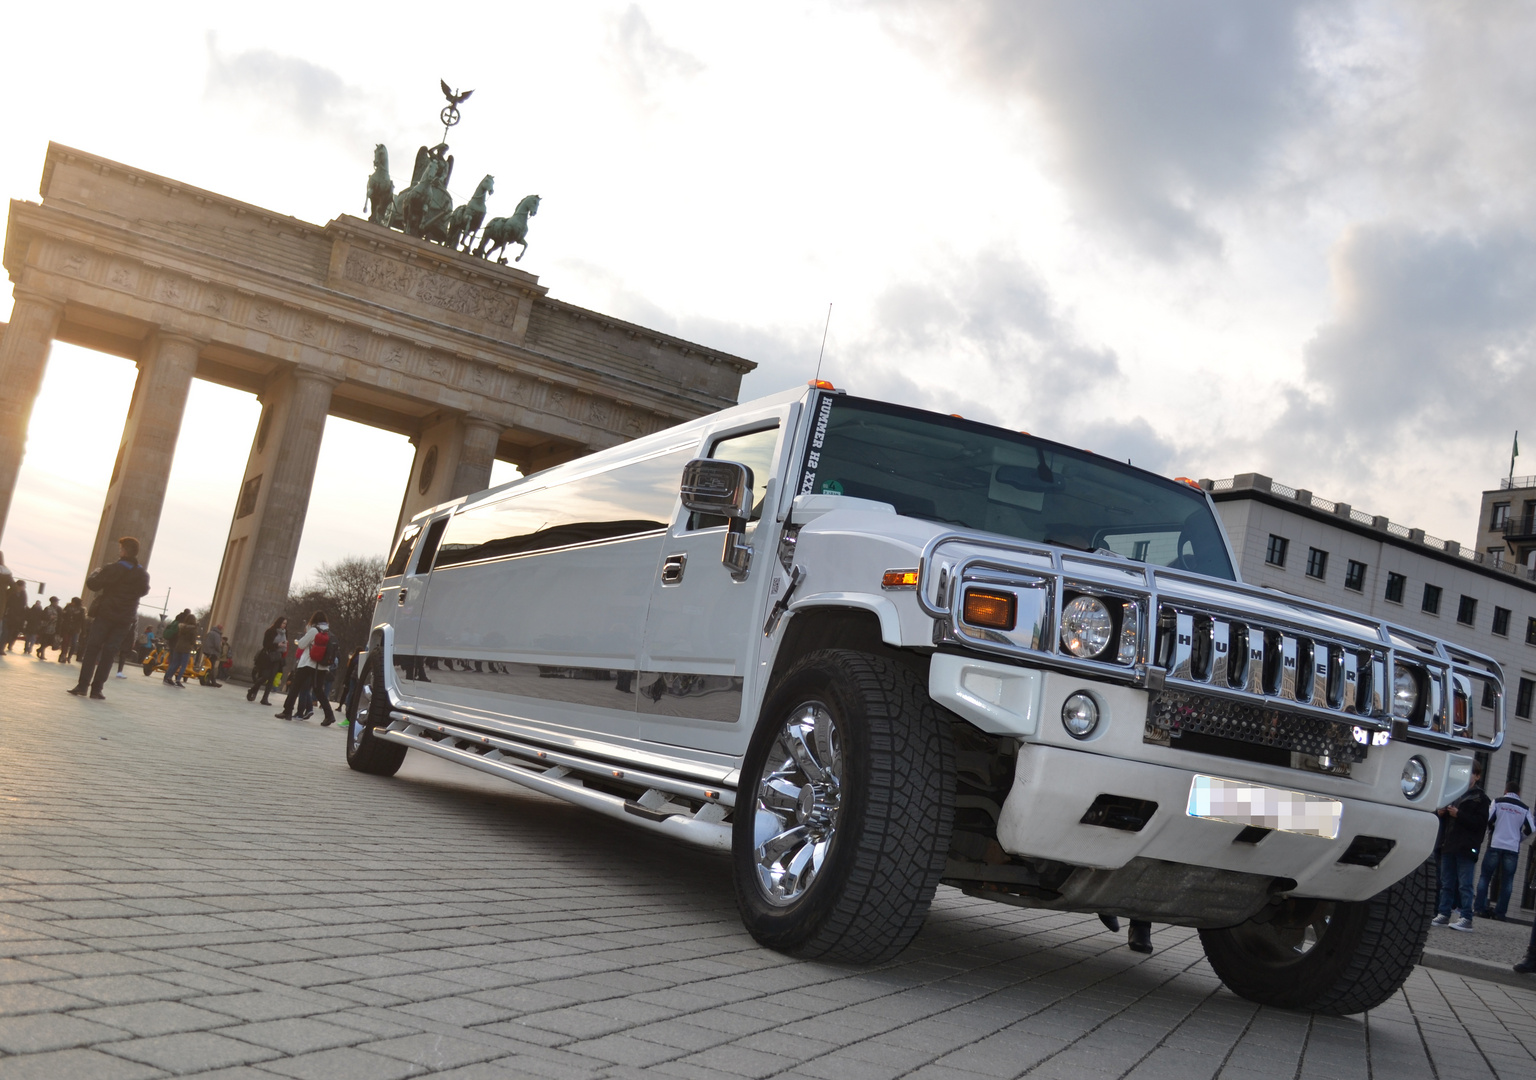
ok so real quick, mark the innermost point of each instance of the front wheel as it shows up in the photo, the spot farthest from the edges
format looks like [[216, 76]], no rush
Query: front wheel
[[369, 708], [1324, 956], [844, 810]]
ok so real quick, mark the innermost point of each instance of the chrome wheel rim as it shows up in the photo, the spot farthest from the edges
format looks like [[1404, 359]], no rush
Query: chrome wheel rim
[[799, 803], [360, 714], [1284, 941]]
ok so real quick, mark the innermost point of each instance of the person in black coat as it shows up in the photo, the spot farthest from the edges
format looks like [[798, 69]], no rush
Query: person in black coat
[[15, 613], [118, 586], [1461, 834]]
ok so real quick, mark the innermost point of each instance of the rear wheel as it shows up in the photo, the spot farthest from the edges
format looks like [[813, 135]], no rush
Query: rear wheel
[[844, 810], [369, 709], [1328, 956]]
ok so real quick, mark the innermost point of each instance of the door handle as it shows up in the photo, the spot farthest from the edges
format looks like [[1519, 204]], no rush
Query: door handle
[[403, 591], [672, 569]]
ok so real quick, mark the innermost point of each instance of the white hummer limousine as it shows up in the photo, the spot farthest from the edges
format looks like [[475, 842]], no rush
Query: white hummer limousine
[[869, 649]]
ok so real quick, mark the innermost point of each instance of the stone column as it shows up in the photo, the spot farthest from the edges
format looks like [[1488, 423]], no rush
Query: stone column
[[136, 492], [264, 537], [454, 455], [23, 359]]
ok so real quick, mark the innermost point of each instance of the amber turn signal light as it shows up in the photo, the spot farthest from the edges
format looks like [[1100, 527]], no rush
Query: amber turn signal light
[[899, 579], [993, 610], [820, 384]]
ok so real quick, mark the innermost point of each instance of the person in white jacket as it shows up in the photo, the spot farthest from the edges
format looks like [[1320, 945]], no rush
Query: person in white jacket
[[314, 652], [1510, 822]]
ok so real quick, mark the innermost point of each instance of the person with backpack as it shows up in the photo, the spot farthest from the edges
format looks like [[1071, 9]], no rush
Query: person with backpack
[[213, 649], [269, 660], [48, 630], [1510, 823], [314, 652], [118, 586], [180, 640]]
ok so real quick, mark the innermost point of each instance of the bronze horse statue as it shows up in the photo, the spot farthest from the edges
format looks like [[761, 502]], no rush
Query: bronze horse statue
[[509, 230], [381, 189], [465, 220]]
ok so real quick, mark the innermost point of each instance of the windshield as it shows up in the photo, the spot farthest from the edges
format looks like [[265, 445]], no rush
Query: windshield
[[975, 476]]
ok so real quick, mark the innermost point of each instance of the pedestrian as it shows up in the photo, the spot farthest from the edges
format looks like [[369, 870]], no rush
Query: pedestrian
[[313, 650], [71, 620], [1139, 937], [269, 659], [1528, 965], [49, 630], [15, 613], [1461, 833], [180, 645], [7, 579], [1509, 822], [34, 626], [349, 680], [118, 587], [213, 649]]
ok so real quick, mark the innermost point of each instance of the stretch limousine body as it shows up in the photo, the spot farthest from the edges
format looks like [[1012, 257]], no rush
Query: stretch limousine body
[[869, 650]]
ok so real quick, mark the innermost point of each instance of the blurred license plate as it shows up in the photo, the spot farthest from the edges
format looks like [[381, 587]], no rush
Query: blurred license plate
[[1215, 799]]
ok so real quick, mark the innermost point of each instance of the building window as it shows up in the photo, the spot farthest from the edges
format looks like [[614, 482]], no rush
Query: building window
[[1431, 599], [1500, 517], [1523, 699], [1275, 555], [1512, 782], [1395, 584], [1317, 563], [1487, 695], [1354, 576], [1530, 631], [1466, 611], [1501, 621]]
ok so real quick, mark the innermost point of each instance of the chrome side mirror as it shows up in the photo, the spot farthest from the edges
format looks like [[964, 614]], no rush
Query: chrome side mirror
[[723, 489], [719, 488]]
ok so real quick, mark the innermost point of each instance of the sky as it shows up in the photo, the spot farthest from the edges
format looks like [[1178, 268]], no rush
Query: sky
[[1294, 238]]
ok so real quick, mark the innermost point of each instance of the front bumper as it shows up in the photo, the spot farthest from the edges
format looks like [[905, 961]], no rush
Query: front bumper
[[1054, 786]]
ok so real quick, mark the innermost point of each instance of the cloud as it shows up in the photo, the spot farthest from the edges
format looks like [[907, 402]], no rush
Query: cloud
[[644, 62], [1431, 350], [289, 89], [1151, 110]]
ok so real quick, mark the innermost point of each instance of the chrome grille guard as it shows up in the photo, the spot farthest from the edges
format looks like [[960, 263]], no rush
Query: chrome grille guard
[[1219, 638]]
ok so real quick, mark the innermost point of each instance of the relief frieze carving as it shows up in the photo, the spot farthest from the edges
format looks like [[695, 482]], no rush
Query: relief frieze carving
[[438, 290]]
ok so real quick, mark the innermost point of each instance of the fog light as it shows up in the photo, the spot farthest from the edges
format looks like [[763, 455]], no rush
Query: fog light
[[1415, 777], [1080, 715]]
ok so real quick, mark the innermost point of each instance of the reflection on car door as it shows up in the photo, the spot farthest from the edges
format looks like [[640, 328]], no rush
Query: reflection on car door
[[703, 630]]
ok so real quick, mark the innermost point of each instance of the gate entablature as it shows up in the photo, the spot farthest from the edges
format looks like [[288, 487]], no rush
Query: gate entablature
[[470, 358]]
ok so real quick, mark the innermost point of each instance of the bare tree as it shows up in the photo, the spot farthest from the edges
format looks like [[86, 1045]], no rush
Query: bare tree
[[345, 590]]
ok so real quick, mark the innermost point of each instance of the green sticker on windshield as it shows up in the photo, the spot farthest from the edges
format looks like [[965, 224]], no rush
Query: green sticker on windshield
[[831, 487]]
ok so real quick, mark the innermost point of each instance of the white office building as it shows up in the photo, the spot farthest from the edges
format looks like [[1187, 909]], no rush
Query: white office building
[[1483, 598]]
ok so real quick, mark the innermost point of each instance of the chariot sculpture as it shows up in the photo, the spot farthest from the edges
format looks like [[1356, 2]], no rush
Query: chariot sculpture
[[425, 208]]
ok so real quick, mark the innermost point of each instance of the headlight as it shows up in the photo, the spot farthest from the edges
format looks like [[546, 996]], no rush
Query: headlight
[[1405, 693], [1086, 627], [1415, 777], [1080, 715]]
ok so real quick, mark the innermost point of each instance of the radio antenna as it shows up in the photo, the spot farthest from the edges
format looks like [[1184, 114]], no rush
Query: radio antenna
[[823, 352]]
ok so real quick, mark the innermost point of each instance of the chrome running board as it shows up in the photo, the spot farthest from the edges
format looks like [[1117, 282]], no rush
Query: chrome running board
[[554, 773]]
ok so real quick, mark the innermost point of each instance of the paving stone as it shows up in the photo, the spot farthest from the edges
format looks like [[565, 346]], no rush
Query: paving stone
[[182, 905]]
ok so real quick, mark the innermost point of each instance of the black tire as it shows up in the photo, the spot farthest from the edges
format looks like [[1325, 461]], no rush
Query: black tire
[[886, 849], [1364, 950], [370, 709]]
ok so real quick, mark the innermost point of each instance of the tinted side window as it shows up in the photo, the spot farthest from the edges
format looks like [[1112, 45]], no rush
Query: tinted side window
[[402, 553], [429, 545], [754, 450], [625, 501]]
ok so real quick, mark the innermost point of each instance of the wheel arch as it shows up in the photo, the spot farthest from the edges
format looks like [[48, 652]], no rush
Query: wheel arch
[[842, 625]]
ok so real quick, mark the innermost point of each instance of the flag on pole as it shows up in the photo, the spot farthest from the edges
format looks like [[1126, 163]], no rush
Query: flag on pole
[[1514, 452]]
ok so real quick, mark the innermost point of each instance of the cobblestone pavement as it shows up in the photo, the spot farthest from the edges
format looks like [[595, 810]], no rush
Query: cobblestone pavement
[[188, 886]]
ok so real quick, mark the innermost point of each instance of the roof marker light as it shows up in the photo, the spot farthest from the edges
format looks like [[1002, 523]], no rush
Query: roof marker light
[[820, 384]]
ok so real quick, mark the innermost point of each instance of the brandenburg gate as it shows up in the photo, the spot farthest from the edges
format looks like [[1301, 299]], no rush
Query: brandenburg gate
[[469, 358]]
